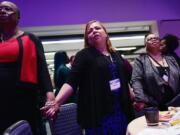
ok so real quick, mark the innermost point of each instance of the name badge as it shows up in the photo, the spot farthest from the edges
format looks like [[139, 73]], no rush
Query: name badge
[[165, 78], [114, 84]]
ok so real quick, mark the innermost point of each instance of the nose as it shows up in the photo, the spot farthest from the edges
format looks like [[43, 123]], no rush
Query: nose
[[2, 10], [94, 31]]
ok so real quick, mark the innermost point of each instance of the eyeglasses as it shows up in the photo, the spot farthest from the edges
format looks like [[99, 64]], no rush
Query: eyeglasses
[[6, 8], [153, 38]]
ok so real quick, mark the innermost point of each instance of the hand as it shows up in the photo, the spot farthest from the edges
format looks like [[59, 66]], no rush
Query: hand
[[132, 95], [139, 105], [131, 91], [50, 109], [50, 96]]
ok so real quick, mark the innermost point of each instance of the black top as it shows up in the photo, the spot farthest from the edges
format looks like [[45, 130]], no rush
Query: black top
[[21, 101], [90, 73]]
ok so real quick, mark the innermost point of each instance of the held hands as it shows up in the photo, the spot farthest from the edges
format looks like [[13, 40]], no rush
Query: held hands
[[50, 109], [139, 105]]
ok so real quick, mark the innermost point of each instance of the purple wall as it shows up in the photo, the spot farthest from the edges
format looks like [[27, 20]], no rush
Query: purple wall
[[171, 27], [64, 12]]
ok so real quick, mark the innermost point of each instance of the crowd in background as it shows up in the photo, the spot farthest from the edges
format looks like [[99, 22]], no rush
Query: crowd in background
[[109, 91]]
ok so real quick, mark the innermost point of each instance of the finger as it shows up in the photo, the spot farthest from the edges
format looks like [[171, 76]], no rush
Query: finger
[[50, 103], [50, 112], [44, 108]]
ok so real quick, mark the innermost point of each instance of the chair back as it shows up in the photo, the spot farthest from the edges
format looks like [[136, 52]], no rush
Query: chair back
[[19, 128], [66, 121]]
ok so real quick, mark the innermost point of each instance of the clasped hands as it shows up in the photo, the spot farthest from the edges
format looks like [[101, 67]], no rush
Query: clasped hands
[[139, 105], [50, 109]]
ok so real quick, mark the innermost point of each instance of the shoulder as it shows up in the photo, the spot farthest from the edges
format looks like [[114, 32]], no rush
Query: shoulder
[[26, 36], [141, 57], [86, 56], [119, 57], [141, 60], [171, 58], [87, 52], [82, 51], [31, 36]]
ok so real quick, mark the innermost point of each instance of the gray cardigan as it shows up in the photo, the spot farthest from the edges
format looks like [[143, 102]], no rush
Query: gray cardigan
[[147, 83]]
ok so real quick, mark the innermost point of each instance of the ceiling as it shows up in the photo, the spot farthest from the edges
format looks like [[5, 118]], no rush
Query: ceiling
[[126, 37]]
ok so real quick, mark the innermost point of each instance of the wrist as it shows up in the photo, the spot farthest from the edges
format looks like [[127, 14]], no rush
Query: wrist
[[50, 96], [57, 102]]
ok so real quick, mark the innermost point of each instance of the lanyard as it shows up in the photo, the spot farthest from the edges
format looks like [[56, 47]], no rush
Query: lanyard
[[157, 61], [166, 75], [112, 66], [111, 59]]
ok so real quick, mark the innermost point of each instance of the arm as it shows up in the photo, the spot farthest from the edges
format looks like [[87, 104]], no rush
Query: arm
[[131, 91], [50, 96], [137, 84], [52, 108], [67, 89], [44, 81], [65, 92], [128, 68], [137, 81], [174, 102]]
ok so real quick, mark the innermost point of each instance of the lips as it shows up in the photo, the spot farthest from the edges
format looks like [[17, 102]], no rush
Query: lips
[[3, 15], [96, 36], [155, 43]]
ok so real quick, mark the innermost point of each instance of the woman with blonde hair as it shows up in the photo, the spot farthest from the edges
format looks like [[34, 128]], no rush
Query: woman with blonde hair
[[99, 72]]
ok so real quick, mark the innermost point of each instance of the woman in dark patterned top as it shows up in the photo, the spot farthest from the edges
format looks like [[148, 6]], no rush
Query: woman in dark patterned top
[[155, 77], [23, 72], [100, 73]]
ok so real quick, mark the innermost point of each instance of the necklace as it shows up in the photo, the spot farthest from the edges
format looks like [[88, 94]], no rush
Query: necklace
[[158, 63], [165, 73], [108, 55]]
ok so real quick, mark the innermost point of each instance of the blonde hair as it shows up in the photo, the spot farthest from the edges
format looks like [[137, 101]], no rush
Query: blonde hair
[[108, 42]]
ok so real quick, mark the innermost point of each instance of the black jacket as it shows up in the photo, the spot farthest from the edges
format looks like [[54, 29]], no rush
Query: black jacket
[[90, 73]]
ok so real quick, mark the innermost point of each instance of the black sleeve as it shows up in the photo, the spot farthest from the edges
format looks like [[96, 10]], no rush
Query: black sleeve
[[127, 66], [45, 84], [128, 69], [78, 69]]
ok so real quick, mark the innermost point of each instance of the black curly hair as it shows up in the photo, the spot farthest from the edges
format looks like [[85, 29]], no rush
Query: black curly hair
[[171, 41]]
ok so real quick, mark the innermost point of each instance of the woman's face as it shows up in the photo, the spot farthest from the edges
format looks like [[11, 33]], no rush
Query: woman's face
[[152, 42], [8, 12], [96, 34], [163, 46]]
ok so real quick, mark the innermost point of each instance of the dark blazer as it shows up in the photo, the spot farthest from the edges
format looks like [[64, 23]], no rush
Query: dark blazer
[[148, 84], [90, 73]]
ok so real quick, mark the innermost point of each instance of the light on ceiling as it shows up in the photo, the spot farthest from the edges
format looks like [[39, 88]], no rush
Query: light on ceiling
[[82, 40], [125, 48]]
